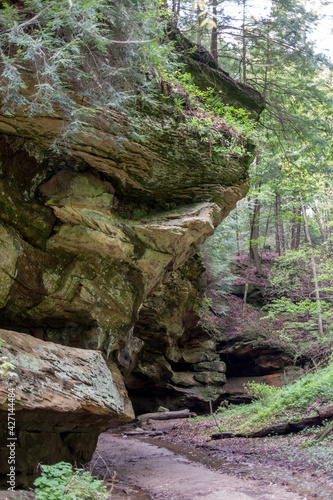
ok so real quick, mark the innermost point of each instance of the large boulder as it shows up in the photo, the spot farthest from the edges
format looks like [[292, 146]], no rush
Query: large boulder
[[63, 398]]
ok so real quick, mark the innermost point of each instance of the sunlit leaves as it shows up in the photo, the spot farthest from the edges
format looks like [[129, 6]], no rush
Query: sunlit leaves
[[208, 17]]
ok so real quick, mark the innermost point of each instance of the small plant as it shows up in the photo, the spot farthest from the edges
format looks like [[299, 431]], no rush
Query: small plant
[[260, 391], [61, 482], [6, 367], [206, 303], [225, 128]]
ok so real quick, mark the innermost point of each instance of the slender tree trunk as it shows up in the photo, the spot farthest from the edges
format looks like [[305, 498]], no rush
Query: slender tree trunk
[[255, 234], [266, 229], [294, 225], [244, 43], [267, 66], [238, 243], [213, 41], [178, 9], [321, 226], [289, 236], [246, 284], [200, 30], [314, 269], [253, 249], [282, 235], [175, 12], [277, 228], [298, 228], [239, 249]]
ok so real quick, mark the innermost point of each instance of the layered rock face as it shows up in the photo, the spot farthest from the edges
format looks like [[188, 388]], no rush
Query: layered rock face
[[89, 240], [178, 364]]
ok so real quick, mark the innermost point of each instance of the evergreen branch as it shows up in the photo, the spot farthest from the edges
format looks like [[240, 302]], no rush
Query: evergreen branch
[[107, 40], [276, 63], [29, 21]]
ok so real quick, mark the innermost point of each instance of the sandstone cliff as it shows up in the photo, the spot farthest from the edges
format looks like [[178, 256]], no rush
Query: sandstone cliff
[[94, 243]]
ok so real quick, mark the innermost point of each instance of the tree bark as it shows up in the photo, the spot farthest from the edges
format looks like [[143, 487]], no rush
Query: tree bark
[[166, 415], [255, 234], [296, 228], [200, 30], [244, 43], [321, 227], [246, 286], [277, 226], [213, 41], [266, 229]]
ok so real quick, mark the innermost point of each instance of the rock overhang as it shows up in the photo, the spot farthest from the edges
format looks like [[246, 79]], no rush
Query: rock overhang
[[88, 236]]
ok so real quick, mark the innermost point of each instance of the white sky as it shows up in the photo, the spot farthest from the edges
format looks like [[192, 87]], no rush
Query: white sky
[[324, 33], [323, 37]]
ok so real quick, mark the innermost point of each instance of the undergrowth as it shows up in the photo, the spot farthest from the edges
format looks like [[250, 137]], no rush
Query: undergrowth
[[61, 482], [274, 405], [207, 115]]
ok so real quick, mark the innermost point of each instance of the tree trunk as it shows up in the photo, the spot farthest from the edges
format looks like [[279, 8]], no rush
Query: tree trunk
[[291, 427], [254, 235], [321, 226], [244, 43], [253, 249], [277, 225], [175, 12], [213, 41], [266, 229], [296, 227], [166, 415], [282, 236], [246, 285], [267, 66], [200, 30], [239, 251], [314, 269]]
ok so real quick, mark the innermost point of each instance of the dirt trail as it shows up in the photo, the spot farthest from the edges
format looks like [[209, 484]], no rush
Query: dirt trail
[[148, 471]]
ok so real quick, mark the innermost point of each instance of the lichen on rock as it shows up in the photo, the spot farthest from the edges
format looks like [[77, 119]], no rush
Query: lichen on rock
[[64, 396]]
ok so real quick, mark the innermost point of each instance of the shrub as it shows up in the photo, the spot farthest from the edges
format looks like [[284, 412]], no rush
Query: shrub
[[61, 482], [260, 391]]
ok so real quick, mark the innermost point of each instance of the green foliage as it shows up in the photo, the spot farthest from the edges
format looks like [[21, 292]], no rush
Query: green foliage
[[6, 367], [210, 102], [260, 391], [295, 308], [280, 405], [215, 252], [206, 303], [79, 59], [288, 271], [60, 482], [224, 127]]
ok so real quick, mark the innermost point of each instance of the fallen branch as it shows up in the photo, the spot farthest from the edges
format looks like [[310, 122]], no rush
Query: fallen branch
[[324, 412], [324, 433], [166, 415]]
